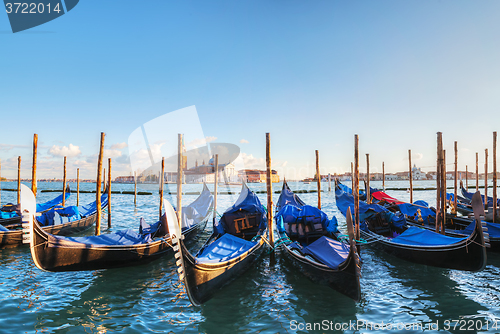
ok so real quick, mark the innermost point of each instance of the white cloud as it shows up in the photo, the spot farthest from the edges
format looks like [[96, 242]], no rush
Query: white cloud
[[250, 162], [70, 151], [244, 141], [112, 153], [210, 138], [119, 146], [199, 142]]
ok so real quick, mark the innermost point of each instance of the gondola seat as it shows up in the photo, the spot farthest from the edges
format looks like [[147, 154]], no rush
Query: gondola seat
[[224, 248]]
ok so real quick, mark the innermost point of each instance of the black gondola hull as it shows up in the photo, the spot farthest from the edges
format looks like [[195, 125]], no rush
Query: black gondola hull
[[202, 280], [468, 255], [14, 238], [344, 280], [51, 257]]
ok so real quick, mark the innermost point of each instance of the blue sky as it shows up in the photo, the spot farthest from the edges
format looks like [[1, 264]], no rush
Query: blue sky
[[312, 73]]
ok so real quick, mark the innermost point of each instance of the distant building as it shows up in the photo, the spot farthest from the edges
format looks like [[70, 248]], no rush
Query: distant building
[[124, 179], [417, 174], [257, 176]]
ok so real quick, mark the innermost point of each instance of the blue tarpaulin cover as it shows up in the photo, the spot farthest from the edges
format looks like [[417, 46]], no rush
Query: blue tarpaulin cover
[[289, 214], [421, 237], [493, 229], [5, 215], [59, 215], [91, 208], [411, 211], [49, 204], [330, 252], [123, 237], [3, 229], [248, 202], [288, 197], [366, 211], [225, 248]]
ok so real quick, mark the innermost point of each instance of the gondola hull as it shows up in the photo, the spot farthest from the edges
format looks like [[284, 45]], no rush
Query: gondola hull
[[203, 279], [14, 238], [344, 280], [50, 257], [468, 255]]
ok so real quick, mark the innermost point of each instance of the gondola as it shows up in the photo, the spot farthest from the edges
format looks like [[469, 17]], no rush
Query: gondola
[[313, 246], [9, 215], [236, 242], [56, 220], [117, 249], [392, 233], [420, 214]]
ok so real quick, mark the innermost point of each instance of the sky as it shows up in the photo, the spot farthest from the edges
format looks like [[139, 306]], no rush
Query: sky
[[311, 73]]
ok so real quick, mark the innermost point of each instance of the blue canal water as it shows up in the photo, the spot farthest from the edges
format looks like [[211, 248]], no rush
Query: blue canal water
[[397, 296]]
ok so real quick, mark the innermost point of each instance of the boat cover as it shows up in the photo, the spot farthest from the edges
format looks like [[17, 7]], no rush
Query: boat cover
[[225, 248], [493, 229], [411, 210], [469, 195], [349, 190], [197, 211], [247, 202], [289, 214], [91, 208], [49, 204], [422, 237], [6, 215], [3, 229], [328, 251], [287, 196], [381, 196], [59, 215], [39, 207], [124, 237], [366, 211]]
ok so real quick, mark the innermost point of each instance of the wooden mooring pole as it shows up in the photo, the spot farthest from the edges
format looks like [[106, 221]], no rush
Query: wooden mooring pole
[[135, 188], [486, 179], [19, 179], [355, 190], [180, 148], [98, 187], [443, 192], [77, 186], [368, 195], [494, 177], [318, 175], [64, 183], [455, 177], [383, 175], [466, 178], [216, 182], [270, 191], [410, 174], [161, 186], [109, 192], [477, 171], [33, 168], [438, 179]]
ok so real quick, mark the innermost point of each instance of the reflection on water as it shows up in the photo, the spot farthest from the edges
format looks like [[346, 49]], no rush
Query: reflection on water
[[267, 298]]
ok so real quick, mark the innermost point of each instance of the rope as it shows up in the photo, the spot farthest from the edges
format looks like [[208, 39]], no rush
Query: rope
[[345, 237], [279, 242]]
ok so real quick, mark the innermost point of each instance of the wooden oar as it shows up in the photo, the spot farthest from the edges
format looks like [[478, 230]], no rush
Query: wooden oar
[[478, 208]]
